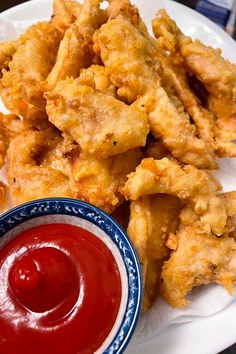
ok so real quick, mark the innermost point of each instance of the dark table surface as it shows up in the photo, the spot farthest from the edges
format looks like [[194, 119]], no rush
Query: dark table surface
[[6, 4]]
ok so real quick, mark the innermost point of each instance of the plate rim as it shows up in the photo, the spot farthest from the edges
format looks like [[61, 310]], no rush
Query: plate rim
[[189, 326]]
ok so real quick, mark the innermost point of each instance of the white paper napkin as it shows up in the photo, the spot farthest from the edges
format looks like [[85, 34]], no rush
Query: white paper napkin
[[206, 300]]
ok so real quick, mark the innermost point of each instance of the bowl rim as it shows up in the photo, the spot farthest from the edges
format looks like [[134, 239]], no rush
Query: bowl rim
[[86, 211]]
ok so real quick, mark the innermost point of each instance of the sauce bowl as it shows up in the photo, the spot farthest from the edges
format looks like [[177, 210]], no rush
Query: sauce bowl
[[91, 219]]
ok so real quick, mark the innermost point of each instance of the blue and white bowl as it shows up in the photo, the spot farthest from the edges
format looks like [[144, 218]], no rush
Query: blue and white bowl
[[90, 218]]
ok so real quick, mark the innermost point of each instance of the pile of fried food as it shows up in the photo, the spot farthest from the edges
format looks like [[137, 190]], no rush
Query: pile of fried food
[[104, 112]]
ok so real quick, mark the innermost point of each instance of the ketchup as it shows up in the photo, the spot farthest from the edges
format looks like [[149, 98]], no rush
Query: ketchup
[[60, 292]]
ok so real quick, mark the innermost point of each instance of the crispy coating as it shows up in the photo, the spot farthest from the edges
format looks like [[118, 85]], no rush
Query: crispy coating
[[3, 141], [98, 122], [29, 173], [7, 50], [216, 74], [65, 13], [3, 197], [14, 126], [126, 9], [23, 85], [199, 259], [175, 76], [166, 31], [98, 180], [97, 77], [75, 50], [72, 56], [133, 67], [168, 120], [191, 185], [151, 220]]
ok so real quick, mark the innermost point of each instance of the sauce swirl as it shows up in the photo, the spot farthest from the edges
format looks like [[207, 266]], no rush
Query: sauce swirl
[[60, 291]]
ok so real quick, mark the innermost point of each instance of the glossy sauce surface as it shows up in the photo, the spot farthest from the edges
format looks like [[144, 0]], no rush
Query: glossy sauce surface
[[60, 292]]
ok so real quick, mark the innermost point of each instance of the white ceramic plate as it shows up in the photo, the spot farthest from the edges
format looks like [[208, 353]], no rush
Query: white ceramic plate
[[209, 335]]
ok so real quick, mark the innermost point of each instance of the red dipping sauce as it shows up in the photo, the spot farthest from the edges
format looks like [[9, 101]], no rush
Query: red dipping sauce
[[60, 292]]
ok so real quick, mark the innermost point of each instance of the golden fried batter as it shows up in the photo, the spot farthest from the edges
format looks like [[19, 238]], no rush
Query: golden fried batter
[[75, 50], [133, 66], [29, 176], [23, 85], [7, 50], [191, 185], [65, 13], [3, 141], [199, 259], [98, 122], [3, 198], [214, 72], [152, 218], [98, 180]]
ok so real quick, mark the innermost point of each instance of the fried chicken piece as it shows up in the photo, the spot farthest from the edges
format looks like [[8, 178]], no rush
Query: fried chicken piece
[[131, 12], [168, 120], [229, 200], [3, 141], [14, 126], [130, 62], [200, 258], [133, 66], [72, 56], [175, 76], [97, 77], [7, 50], [75, 51], [29, 173], [214, 72], [23, 85], [151, 220], [98, 122], [65, 13], [3, 197], [191, 185], [98, 180], [166, 31]]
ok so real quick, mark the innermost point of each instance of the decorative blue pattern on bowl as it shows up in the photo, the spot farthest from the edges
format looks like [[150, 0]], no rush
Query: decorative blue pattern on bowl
[[65, 206]]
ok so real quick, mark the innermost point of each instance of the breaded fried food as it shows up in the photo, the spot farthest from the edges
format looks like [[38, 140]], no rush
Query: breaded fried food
[[169, 121], [22, 86], [191, 185], [216, 74], [65, 12], [7, 50], [200, 258], [3, 197], [130, 62], [29, 174], [133, 68], [98, 180], [98, 122], [175, 76], [72, 56], [14, 126], [75, 51], [97, 77], [152, 218], [3, 141]]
